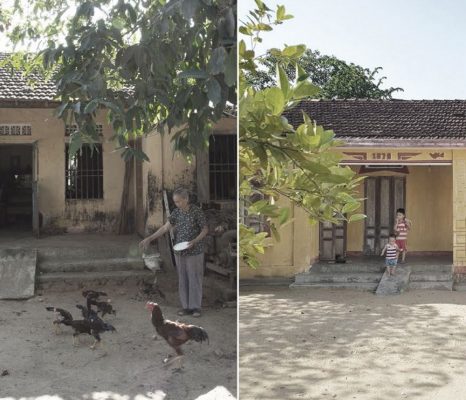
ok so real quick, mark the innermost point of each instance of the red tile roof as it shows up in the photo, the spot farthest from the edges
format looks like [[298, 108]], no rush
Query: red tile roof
[[386, 119], [15, 87]]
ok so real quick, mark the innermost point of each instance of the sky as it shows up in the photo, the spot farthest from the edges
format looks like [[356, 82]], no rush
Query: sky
[[420, 44]]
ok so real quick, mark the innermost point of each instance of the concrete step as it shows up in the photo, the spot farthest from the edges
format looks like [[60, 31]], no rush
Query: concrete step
[[340, 277], [394, 284], [347, 268], [367, 286], [460, 287], [76, 280], [372, 268], [90, 265], [88, 253], [443, 269], [431, 277], [432, 285]]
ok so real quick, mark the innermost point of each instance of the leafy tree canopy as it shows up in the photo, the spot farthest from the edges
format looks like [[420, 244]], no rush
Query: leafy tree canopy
[[149, 63], [335, 78], [277, 160]]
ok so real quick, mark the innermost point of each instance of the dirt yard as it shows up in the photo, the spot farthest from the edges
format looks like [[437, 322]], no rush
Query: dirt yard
[[129, 366], [343, 344]]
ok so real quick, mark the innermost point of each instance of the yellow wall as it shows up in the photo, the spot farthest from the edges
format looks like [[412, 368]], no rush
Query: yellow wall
[[459, 212], [170, 170], [298, 247], [48, 131], [428, 198]]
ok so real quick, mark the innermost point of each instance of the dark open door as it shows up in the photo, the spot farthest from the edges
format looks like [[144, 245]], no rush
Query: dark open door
[[35, 189], [384, 194], [332, 240]]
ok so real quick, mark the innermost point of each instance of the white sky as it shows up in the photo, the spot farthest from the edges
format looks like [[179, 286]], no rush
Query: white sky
[[419, 43]]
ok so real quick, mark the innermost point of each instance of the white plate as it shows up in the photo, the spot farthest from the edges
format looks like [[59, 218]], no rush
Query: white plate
[[181, 246]]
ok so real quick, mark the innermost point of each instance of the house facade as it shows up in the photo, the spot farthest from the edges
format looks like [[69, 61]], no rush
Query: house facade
[[44, 189], [412, 154]]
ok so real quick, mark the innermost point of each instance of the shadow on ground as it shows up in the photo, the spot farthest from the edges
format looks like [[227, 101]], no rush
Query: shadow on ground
[[343, 344]]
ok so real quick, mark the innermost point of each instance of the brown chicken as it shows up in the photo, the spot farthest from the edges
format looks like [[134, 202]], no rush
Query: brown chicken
[[175, 333]]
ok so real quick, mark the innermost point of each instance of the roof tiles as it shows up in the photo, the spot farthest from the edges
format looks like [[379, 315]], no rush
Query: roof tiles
[[386, 119]]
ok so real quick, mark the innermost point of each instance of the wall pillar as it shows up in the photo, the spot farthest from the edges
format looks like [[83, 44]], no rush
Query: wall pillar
[[459, 214]]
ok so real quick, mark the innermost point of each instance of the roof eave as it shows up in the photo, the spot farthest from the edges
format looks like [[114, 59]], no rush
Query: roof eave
[[402, 142]]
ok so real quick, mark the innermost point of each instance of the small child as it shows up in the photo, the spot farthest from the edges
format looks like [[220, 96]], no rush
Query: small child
[[391, 251], [401, 228]]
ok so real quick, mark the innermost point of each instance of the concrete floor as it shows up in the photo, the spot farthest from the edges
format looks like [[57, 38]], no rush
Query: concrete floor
[[12, 239]]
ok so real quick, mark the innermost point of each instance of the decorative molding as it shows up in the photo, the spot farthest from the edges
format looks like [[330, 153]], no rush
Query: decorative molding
[[15, 130]]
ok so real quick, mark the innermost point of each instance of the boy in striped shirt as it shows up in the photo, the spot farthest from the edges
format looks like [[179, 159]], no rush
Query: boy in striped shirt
[[401, 228], [391, 251]]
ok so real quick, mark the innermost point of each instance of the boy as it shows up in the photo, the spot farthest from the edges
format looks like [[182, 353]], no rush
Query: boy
[[401, 228], [391, 251]]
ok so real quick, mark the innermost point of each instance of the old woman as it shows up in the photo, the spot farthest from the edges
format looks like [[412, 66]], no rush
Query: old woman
[[190, 226]]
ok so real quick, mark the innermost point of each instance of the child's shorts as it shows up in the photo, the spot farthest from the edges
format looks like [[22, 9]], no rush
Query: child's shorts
[[390, 263], [401, 244]]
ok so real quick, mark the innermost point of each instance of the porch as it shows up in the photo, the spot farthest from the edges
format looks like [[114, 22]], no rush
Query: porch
[[365, 272]]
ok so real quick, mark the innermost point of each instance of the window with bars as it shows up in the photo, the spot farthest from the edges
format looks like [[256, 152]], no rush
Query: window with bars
[[84, 174], [69, 129], [222, 167]]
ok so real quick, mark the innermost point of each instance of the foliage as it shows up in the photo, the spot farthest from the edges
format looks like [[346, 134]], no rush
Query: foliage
[[149, 63], [335, 78], [278, 161]]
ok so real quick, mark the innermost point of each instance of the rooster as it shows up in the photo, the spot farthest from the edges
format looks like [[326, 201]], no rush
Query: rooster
[[61, 315], [93, 327], [175, 333]]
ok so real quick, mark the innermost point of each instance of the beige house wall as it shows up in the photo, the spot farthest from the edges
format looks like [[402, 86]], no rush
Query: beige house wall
[[169, 170], [48, 131], [434, 194], [297, 249], [459, 212], [429, 196], [165, 170]]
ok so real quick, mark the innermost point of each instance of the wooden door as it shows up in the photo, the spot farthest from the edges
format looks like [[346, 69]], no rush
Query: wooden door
[[332, 240], [384, 194]]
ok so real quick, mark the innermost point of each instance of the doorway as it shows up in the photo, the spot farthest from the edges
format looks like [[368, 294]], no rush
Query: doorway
[[384, 195], [16, 187]]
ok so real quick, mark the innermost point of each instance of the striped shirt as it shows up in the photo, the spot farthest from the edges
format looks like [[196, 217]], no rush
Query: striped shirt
[[402, 229], [391, 250]]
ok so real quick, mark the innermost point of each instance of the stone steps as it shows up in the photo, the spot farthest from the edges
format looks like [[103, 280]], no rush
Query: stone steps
[[340, 277], [365, 286], [50, 254], [76, 280], [367, 276], [92, 265], [432, 285]]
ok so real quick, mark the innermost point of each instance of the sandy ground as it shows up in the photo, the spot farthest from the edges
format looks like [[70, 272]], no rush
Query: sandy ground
[[343, 344], [129, 366]]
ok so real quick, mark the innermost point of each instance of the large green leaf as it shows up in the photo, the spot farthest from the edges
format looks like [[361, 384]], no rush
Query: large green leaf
[[214, 91], [217, 61]]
